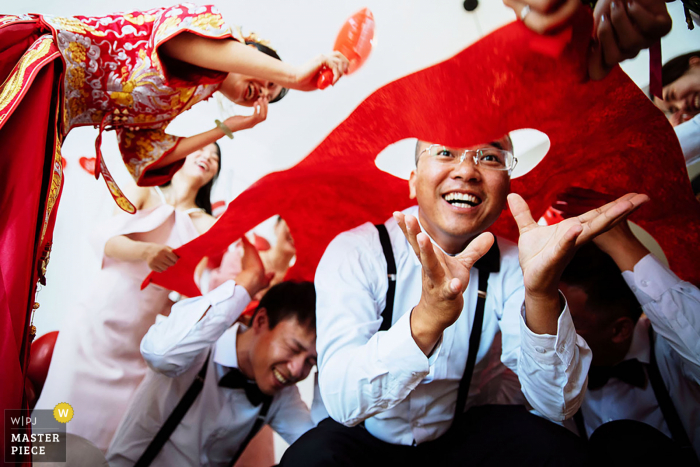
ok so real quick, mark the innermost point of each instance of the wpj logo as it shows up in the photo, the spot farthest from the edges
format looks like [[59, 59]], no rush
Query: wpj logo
[[39, 438]]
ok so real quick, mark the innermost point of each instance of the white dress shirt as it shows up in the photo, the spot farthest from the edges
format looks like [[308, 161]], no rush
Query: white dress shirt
[[673, 309], [688, 134], [384, 379], [220, 419]]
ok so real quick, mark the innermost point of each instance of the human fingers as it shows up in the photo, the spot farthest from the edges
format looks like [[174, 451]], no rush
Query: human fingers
[[476, 249], [521, 213], [589, 215], [567, 242], [617, 212], [653, 25], [337, 65], [429, 260], [344, 62], [170, 256], [544, 16], [629, 39], [264, 103], [401, 220]]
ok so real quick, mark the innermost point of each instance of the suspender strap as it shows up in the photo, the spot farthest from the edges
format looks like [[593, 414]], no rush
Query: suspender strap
[[388, 312], [580, 425], [673, 421], [490, 262], [175, 418], [474, 341], [253, 431]]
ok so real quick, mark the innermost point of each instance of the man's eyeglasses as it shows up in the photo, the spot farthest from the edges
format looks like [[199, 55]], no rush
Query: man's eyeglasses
[[488, 158]]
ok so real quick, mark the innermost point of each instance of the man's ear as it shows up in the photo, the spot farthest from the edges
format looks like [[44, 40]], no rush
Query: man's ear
[[622, 328], [412, 184], [694, 61], [260, 322]]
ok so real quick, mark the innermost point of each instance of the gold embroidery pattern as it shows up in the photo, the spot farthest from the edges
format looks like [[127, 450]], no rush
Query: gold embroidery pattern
[[73, 25], [13, 84], [140, 20], [142, 148], [55, 189]]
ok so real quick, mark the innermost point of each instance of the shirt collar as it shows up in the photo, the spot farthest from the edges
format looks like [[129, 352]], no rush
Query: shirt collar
[[639, 348], [225, 350], [491, 261]]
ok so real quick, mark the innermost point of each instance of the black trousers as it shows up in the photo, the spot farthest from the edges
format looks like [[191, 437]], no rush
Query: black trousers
[[628, 442], [491, 435]]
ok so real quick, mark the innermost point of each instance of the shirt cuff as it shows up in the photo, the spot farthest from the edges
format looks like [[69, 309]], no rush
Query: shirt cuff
[[546, 348], [650, 279], [400, 354]]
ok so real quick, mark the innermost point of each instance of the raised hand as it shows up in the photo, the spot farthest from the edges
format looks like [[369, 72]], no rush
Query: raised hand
[[241, 122], [622, 29], [252, 276], [306, 74], [545, 251], [445, 278]]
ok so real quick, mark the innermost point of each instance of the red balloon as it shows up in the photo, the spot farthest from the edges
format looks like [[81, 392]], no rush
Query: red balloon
[[88, 164], [30, 393], [354, 41], [40, 359]]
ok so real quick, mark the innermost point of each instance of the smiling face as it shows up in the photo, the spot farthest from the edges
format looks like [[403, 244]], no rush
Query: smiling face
[[283, 355], [682, 97], [458, 201], [245, 90], [202, 165]]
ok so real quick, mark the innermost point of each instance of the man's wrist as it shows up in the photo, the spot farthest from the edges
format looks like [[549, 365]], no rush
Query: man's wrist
[[425, 330]]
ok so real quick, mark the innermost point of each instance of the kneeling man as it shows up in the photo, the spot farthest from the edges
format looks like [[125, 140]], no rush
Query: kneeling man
[[214, 385], [425, 321]]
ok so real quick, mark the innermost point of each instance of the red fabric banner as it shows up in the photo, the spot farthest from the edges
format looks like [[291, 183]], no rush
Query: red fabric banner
[[605, 135]]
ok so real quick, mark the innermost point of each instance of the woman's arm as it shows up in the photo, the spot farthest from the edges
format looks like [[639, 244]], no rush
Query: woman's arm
[[187, 146], [234, 57], [158, 257]]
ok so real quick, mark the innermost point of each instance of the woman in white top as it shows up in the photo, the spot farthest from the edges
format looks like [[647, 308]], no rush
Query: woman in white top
[[96, 365]]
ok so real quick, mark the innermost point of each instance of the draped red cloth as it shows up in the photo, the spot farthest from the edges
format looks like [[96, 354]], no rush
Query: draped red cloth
[[605, 135], [30, 184]]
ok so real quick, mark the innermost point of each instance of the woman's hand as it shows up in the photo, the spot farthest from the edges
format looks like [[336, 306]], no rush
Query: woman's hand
[[306, 75], [159, 257], [240, 122]]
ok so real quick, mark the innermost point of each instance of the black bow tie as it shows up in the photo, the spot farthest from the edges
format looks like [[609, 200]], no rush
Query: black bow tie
[[630, 371], [234, 379]]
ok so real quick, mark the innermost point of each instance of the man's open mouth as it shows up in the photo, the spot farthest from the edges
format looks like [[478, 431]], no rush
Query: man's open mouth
[[462, 200]]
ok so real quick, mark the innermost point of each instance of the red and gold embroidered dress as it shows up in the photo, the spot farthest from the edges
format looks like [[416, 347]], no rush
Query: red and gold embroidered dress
[[61, 73]]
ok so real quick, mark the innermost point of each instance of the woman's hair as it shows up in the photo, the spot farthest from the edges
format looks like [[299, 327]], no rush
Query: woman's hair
[[676, 67], [203, 198], [268, 51]]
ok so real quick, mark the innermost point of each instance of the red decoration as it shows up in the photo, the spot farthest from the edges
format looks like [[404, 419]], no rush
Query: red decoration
[[88, 164], [354, 41], [38, 368], [605, 135]]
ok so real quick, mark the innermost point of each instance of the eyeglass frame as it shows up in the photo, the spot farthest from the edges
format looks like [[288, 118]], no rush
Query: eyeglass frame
[[475, 157]]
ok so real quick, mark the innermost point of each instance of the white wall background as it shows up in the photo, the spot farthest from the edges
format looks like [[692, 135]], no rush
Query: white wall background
[[410, 35]]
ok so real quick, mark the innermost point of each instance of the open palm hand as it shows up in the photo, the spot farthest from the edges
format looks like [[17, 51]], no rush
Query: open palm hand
[[544, 251]]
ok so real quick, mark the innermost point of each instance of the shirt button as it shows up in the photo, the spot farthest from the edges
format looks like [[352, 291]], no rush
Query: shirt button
[[633, 288], [540, 349], [644, 283], [384, 404]]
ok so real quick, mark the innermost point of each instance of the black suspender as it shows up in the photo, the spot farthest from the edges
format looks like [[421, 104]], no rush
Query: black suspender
[[673, 421], [179, 413], [490, 262], [474, 340], [253, 431], [175, 418], [388, 312]]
